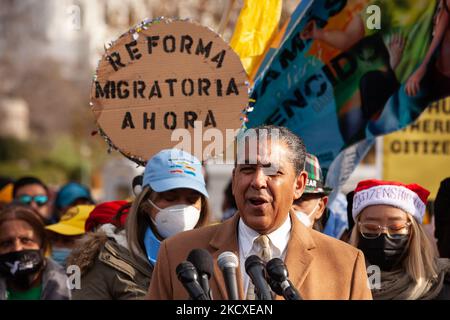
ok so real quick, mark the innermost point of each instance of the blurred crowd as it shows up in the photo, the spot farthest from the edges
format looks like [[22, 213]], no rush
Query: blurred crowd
[[115, 246]]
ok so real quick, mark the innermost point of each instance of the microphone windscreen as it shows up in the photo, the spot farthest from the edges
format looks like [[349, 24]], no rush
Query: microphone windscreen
[[185, 269], [252, 260], [202, 260], [227, 259], [277, 269]]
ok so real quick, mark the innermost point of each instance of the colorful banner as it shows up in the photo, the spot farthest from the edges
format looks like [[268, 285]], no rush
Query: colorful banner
[[420, 153], [347, 71]]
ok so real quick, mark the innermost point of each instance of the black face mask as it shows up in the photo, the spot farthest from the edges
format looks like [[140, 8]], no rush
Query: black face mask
[[383, 251], [20, 267]]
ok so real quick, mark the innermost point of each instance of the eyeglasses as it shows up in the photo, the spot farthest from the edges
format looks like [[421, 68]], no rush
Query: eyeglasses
[[373, 230], [40, 200]]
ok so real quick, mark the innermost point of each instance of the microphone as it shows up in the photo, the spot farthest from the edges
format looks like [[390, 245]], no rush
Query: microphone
[[188, 276], [203, 262], [254, 267], [279, 281], [228, 262]]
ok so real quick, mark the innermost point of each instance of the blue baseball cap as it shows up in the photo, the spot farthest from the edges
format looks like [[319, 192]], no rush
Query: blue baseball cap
[[71, 192], [172, 169]]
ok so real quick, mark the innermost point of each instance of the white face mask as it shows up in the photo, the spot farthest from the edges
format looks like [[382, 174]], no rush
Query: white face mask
[[306, 218], [174, 219]]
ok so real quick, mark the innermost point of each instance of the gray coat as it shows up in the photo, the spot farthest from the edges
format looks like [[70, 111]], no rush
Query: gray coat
[[54, 283]]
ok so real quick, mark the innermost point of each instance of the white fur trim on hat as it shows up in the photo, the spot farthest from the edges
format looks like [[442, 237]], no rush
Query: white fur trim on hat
[[391, 195]]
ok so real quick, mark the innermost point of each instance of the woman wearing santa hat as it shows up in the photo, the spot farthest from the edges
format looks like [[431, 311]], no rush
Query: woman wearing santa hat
[[388, 229]]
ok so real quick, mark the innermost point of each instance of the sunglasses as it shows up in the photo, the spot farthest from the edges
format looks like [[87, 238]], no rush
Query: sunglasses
[[40, 200]]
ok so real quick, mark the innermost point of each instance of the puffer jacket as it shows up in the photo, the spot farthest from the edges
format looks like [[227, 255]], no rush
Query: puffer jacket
[[108, 271], [54, 283]]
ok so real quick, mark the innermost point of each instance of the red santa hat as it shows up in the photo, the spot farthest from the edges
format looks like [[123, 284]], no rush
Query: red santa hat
[[411, 198]]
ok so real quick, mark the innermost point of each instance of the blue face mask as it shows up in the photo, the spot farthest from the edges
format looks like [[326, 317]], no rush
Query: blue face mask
[[60, 255], [151, 244]]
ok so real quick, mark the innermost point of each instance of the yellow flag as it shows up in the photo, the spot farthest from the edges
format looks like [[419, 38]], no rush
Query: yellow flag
[[256, 24]]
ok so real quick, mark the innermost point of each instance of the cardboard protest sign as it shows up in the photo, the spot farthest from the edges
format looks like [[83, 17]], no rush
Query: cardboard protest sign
[[162, 77]]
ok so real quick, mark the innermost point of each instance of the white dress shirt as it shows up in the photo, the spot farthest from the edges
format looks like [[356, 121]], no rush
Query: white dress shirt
[[278, 243]]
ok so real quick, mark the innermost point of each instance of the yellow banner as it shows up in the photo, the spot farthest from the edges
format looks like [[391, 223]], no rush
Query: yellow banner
[[256, 24], [420, 153]]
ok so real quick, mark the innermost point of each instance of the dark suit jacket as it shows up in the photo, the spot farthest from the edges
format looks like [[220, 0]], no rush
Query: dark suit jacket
[[319, 266]]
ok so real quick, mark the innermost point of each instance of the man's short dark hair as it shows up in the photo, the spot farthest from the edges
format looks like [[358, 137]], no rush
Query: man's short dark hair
[[25, 181], [294, 143]]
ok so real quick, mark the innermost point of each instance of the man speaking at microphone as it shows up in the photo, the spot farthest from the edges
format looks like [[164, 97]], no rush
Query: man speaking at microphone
[[266, 180]]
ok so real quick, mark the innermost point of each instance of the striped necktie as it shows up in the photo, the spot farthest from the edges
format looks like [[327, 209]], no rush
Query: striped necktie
[[265, 253]]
